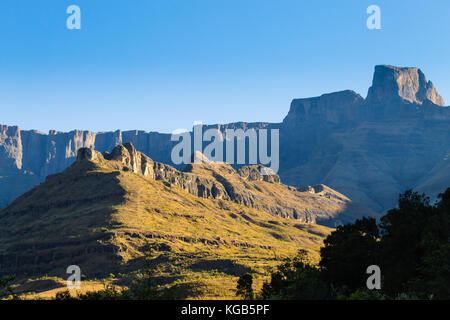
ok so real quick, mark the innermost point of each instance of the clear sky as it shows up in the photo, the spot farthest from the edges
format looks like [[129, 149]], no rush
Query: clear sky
[[159, 65]]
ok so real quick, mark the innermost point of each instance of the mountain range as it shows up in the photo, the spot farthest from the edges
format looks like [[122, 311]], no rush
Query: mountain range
[[369, 150], [104, 201]]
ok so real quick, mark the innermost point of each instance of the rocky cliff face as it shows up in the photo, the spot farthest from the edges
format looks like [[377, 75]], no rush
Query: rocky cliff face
[[127, 158], [394, 83], [10, 148], [246, 186], [27, 157], [369, 149], [15, 176], [334, 107]]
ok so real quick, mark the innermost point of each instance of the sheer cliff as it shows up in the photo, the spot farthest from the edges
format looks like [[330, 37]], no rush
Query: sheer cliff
[[369, 149]]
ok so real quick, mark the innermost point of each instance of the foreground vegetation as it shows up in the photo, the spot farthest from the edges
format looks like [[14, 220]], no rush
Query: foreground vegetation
[[411, 245], [100, 218]]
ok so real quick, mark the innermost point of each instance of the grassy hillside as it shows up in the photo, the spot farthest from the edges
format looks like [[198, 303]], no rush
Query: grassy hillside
[[101, 218]]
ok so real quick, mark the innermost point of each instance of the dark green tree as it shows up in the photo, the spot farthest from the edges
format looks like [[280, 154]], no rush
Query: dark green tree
[[411, 245], [145, 287], [433, 279], [347, 253], [245, 287], [5, 287], [296, 279], [403, 230]]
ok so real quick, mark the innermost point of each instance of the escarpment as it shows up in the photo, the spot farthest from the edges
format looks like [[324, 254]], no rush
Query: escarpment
[[369, 149], [251, 186]]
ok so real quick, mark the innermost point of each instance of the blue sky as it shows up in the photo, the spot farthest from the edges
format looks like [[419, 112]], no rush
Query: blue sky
[[158, 65]]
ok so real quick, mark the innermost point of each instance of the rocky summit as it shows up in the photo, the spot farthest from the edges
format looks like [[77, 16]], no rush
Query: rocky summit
[[369, 149], [395, 84]]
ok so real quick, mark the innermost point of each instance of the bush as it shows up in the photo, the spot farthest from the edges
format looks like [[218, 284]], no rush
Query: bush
[[296, 279], [244, 287]]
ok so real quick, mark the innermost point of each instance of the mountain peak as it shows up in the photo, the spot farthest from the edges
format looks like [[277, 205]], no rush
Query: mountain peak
[[410, 84]]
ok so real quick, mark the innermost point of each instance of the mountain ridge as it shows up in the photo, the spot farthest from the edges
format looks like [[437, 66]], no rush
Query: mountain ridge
[[246, 186], [325, 130], [103, 211]]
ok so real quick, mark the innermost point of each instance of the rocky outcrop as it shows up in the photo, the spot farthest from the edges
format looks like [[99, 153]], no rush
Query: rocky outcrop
[[247, 186], [258, 173], [11, 152], [332, 107], [89, 155], [126, 158], [391, 84], [323, 191]]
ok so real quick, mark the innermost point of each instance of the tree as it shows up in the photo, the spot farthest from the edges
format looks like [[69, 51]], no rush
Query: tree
[[244, 287], [403, 230], [415, 247], [347, 253], [296, 279], [411, 245], [144, 287], [5, 287], [434, 266]]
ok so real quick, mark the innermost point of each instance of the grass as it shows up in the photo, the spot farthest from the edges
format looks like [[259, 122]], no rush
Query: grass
[[101, 218]]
